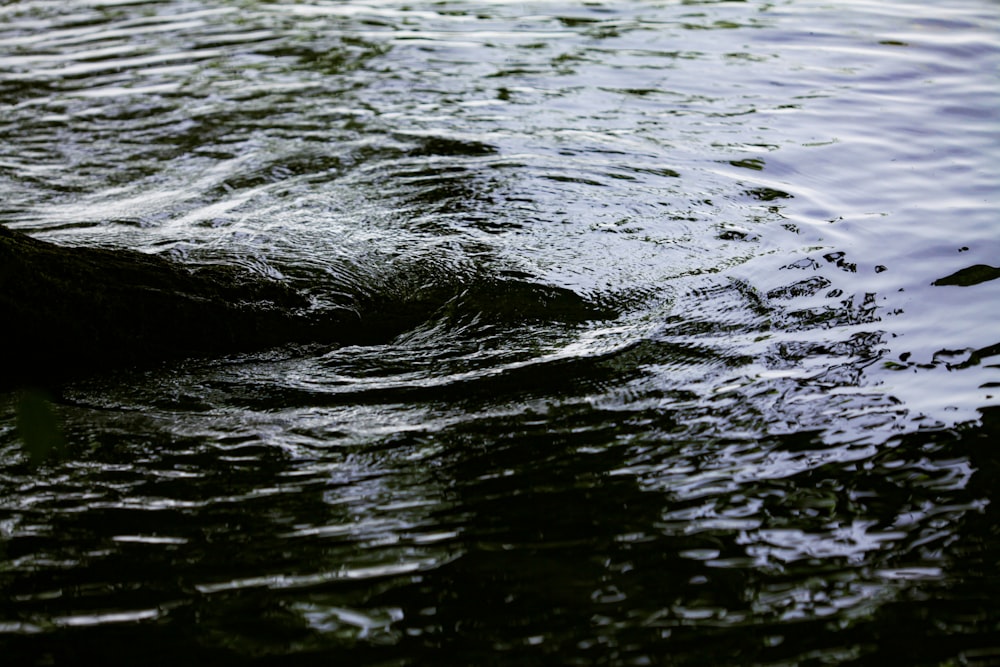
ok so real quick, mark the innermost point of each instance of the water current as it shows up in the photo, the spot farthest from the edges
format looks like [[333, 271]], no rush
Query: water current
[[777, 446]]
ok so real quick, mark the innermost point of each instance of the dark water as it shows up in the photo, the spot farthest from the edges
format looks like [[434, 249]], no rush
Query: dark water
[[782, 451]]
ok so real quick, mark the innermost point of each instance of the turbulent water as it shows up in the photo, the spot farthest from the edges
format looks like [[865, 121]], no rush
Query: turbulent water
[[775, 445]]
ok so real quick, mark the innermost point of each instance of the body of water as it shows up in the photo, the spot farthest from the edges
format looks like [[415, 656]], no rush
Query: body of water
[[772, 441]]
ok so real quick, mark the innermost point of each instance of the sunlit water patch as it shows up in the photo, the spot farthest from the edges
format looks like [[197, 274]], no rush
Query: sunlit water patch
[[702, 362]]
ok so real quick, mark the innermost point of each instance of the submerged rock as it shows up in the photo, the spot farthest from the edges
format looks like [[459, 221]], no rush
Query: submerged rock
[[66, 311]]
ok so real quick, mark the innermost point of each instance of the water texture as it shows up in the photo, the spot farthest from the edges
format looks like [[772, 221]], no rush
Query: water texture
[[715, 380]]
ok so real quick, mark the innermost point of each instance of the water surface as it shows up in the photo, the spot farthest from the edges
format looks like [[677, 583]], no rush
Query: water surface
[[778, 451]]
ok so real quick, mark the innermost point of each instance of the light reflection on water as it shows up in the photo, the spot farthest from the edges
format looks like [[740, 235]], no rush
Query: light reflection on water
[[778, 452]]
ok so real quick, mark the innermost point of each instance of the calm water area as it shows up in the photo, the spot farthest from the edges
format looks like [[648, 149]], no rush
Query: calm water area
[[776, 445]]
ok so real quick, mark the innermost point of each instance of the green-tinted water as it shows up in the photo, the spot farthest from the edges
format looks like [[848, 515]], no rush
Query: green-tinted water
[[782, 451]]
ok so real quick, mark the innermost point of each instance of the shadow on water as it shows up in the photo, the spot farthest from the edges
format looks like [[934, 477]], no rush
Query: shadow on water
[[584, 565], [504, 542]]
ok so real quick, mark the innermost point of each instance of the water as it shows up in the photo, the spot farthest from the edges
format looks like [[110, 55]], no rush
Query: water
[[781, 451]]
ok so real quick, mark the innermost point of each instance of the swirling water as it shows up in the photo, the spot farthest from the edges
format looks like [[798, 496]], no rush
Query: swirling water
[[780, 451]]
